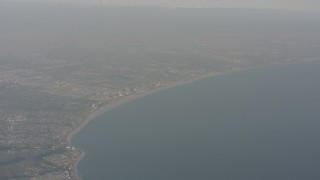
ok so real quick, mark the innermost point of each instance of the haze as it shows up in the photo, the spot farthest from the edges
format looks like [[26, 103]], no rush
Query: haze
[[306, 5], [63, 64]]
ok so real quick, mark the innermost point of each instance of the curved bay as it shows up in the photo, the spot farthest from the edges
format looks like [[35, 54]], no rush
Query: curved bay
[[257, 124]]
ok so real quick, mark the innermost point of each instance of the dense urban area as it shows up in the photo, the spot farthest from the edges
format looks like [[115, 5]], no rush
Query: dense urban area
[[60, 64]]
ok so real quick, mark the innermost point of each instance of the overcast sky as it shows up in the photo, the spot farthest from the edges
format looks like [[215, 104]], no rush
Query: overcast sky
[[264, 4]]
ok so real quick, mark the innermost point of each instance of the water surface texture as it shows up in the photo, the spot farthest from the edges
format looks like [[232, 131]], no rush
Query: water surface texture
[[257, 124]]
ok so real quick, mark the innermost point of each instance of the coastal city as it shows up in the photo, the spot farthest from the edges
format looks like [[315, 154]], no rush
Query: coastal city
[[53, 77]]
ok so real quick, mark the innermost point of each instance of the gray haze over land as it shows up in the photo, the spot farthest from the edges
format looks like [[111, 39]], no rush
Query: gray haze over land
[[305, 5], [61, 63]]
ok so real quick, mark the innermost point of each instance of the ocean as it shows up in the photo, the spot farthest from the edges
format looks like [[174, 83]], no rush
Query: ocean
[[254, 124]]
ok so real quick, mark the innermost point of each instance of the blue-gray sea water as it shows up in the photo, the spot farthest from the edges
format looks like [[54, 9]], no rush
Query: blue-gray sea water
[[261, 124]]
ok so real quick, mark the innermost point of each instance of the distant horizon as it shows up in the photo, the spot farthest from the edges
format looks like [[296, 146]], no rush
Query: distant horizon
[[312, 6]]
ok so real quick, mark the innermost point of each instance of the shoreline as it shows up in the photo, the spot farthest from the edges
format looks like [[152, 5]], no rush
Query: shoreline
[[125, 99]]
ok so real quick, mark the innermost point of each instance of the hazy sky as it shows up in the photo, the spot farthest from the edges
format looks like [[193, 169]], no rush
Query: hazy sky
[[265, 4], [279, 4]]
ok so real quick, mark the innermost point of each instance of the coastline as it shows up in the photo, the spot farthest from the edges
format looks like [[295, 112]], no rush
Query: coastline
[[125, 99]]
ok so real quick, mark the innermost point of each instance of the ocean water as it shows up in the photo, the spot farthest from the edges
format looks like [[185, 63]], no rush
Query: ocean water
[[261, 124]]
